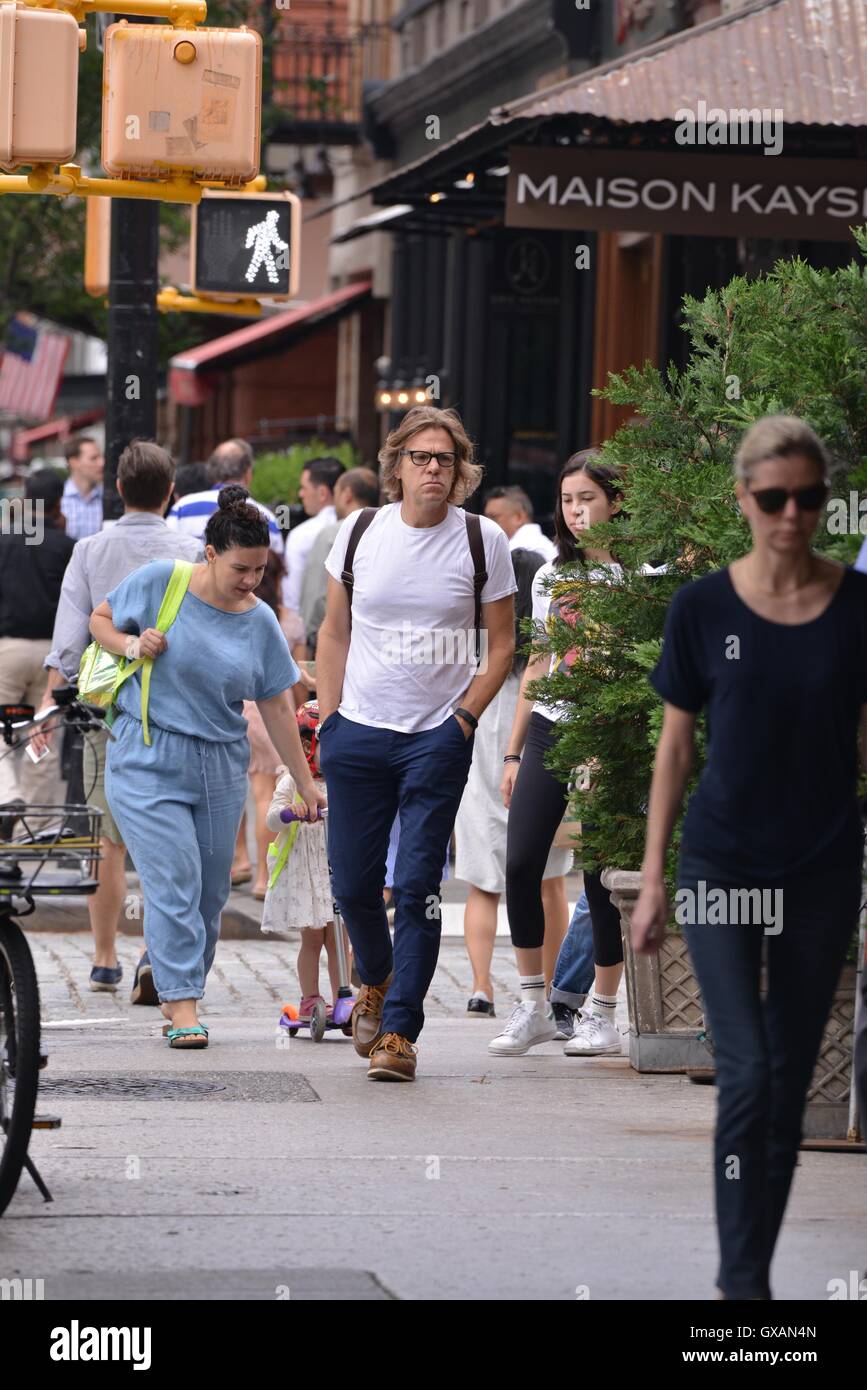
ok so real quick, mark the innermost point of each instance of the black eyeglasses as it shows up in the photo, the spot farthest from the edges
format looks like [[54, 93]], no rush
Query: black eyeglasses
[[807, 499], [421, 458]]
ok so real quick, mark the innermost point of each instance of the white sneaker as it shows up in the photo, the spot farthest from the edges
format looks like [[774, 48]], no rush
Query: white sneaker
[[594, 1037], [525, 1027]]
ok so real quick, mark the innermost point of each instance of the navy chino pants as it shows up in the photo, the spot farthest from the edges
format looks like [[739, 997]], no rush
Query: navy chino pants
[[370, 775]]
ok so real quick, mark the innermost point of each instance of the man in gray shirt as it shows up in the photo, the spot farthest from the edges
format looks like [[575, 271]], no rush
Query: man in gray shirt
[[145, 481], [357, 488]]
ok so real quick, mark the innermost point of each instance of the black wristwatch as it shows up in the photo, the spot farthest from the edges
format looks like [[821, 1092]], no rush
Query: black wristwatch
[[470, 718]]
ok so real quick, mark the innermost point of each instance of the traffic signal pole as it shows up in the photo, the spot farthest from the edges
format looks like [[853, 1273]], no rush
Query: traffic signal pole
[[131, 397], [131, 378]]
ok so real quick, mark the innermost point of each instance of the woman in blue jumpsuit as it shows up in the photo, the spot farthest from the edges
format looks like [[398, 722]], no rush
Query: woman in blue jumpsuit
[[178, 801]]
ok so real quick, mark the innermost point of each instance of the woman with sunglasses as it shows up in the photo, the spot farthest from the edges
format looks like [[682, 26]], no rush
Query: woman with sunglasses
[[774, 648]]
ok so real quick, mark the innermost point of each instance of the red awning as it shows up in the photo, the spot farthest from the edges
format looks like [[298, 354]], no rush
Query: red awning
[[61, 428], [191, 374]]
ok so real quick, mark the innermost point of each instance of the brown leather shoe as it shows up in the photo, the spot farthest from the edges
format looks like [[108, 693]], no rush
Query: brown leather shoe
[[367, 1017], [393, 1059]]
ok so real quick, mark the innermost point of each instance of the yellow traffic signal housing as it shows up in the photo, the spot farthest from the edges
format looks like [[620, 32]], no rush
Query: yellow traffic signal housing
[[38, 85], [182, 100]]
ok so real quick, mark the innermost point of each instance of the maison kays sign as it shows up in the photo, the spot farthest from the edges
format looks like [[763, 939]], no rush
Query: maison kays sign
[[704, 195]]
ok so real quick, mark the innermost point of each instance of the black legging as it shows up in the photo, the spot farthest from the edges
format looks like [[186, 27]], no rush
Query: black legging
[[538, 803]]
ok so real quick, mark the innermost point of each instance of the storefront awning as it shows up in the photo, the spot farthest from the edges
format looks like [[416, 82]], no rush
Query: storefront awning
[[190, 380], [61, 429], [805, 58]]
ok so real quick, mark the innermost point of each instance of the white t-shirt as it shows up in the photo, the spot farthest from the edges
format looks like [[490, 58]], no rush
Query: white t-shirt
[[299, 544], [530, 536], [412, 651], [542, 605]]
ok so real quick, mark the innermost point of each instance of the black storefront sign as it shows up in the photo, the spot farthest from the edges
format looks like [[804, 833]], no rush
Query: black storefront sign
[[704, 195]]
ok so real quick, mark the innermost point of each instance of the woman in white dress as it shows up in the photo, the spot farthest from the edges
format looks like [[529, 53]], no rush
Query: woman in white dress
[[480, 828]]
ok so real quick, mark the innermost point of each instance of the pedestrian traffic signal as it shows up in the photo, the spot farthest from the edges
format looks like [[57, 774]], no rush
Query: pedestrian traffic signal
[[38, 55], [246, 244], [182, 100]]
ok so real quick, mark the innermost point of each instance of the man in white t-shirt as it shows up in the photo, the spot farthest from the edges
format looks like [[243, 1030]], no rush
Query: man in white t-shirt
[[316, 495], [511, 508], [400, 694]]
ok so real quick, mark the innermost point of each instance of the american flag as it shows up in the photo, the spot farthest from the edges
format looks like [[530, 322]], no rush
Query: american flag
[[32, 368]]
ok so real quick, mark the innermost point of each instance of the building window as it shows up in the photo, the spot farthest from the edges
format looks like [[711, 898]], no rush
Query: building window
[[406, 48], [480, 11], [440, 39], [463, 16], [418, 47]]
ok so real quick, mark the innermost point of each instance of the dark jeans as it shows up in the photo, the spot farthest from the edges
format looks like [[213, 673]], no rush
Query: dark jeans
[[574, 972], [371, 774], [538, 803], [765, 1051]]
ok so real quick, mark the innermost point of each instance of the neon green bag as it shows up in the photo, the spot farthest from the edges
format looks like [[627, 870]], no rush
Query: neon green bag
[[102, 673]]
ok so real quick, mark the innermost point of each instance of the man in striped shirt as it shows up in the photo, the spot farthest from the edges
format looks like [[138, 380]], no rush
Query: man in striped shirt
[[231, 462], [82, 495]]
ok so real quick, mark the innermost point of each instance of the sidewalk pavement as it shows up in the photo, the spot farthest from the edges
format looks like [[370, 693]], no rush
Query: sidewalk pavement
[[266, 1169]]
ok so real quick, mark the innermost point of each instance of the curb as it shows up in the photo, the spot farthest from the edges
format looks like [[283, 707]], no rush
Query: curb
[[240, 921]]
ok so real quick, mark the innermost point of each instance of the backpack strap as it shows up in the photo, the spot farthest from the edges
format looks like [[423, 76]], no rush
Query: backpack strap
[[179, 582], [365, 517], [480, 573]]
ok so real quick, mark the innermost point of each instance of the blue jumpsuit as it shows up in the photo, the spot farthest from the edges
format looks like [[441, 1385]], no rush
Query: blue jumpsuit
[[178, 803]]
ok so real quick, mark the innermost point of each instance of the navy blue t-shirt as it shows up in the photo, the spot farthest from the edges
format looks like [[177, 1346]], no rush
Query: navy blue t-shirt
[[778, 794]]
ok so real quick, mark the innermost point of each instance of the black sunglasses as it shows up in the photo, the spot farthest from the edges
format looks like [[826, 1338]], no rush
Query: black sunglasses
[[808, 499]]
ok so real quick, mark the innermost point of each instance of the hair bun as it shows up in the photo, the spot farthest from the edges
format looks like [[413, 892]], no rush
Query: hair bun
[[233, 496]]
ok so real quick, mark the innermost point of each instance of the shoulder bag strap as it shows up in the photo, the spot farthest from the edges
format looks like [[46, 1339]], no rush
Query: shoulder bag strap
[[179, 582], [480, 573], [365, 517]]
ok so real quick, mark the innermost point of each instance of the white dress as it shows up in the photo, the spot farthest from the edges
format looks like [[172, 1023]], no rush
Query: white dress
[[301, 898], [480, 828]]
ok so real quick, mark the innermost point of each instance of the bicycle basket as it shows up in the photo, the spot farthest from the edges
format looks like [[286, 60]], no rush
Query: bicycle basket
[[48, 849]]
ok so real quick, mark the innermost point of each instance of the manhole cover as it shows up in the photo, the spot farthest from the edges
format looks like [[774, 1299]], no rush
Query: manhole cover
[[267, 1087]]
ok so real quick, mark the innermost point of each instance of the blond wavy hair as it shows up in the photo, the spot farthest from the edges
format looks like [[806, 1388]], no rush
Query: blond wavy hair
[[467, 473]]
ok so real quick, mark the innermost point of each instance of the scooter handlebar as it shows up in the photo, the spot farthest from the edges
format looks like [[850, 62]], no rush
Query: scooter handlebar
[[290, 814]]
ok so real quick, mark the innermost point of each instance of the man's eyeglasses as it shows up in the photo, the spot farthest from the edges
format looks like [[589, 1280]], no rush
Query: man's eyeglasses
[[421, 458], [808, 499]]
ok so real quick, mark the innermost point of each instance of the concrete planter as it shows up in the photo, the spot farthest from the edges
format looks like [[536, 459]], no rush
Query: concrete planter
[[666, 1019], [827, 1113], [665, 1010]]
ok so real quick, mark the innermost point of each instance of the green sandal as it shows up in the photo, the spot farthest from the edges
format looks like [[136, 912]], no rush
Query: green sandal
[[199, 1033]]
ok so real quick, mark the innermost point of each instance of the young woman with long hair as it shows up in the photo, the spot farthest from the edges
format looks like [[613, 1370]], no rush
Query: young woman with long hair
[[588, 494]]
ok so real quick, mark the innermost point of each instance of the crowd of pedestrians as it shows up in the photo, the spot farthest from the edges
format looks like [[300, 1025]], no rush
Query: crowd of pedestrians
[[423, 734]]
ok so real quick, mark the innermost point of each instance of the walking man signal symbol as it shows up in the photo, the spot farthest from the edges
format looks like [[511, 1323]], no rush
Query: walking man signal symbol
[[262, 237]]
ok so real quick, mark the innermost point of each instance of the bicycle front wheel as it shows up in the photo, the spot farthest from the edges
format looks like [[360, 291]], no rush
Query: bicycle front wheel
[[19, 1055]]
